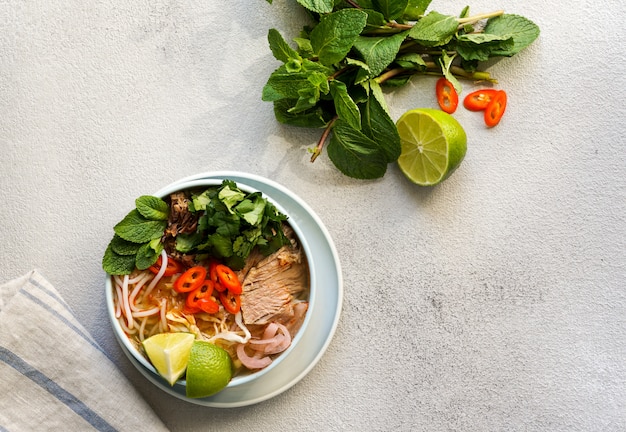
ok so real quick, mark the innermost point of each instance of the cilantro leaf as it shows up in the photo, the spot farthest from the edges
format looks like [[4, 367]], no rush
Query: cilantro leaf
[[252, 209], [230, 196]]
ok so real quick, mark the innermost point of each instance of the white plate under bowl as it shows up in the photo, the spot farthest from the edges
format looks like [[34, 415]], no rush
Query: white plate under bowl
[[323, 318]]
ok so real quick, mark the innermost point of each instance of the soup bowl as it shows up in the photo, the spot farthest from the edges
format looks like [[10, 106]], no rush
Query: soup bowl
[[133, 350]]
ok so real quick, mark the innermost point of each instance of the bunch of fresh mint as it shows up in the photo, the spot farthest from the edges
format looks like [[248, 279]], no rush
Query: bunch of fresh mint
[[333, 79], [231, 223]]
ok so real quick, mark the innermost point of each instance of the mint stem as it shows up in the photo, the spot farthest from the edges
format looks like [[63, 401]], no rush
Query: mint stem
[[322, 140], [476, 18]]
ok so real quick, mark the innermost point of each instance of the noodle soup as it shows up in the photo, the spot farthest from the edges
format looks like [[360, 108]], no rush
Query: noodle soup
[[261, 314]]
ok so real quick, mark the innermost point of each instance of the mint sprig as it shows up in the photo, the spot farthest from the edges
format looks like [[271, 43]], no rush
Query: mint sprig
[[136, 242], [333, 77]]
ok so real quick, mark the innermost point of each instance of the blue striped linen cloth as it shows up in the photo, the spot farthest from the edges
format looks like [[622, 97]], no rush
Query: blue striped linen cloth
[[53, 375]]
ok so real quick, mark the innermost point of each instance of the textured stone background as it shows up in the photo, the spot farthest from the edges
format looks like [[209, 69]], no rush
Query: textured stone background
[[492, 302]]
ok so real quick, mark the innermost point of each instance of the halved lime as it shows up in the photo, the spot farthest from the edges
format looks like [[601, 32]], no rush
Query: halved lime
[[169, 353], [433, 145], [209, 370]]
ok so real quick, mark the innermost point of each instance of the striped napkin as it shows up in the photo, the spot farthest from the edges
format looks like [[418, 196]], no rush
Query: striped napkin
[[53, 375]]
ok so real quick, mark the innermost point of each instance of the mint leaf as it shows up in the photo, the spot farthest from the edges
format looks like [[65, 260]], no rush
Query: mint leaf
[[434, 29], [147, 256], [281, 50], [354, 154], [335, 34], [411, 61], [319, 6], [283, 84], [481, 46], [522, 30], [311, 118], [124, 247], [115, 264], [379, 52], [152, 208], [344, 105], [391, 9], [135, 228], [415, 9], [379, 127]]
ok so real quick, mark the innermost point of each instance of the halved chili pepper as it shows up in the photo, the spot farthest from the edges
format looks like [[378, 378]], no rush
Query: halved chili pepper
[[228, 278], [200, 298], [479, 99], [495, 110], [230, 301], [172, 268], [190, 280], [447, 97]]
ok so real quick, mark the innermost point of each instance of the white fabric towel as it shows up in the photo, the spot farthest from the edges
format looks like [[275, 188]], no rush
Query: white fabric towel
[[54, 376]]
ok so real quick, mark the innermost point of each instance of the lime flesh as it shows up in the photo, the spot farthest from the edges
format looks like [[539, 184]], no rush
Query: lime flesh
[[169, 353], [433, 145]]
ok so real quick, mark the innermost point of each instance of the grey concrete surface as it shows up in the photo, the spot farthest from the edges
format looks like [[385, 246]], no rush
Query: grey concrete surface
[[492, 302]]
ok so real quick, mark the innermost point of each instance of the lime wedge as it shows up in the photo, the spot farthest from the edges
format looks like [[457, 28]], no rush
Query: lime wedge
[[433, 145], [210, 369], [169, 353]]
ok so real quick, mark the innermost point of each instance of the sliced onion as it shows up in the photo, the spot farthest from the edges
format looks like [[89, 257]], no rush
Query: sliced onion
[[252, 362], [273, 342]]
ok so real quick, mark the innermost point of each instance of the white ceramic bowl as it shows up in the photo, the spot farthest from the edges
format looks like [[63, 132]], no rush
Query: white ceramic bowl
[[138, 358]]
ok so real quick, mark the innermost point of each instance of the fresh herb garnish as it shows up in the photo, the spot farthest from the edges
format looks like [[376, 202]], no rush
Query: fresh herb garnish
[[231, 223], [333, 79]]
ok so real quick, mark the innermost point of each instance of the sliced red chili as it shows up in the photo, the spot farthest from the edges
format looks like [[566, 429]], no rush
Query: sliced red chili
[[213, 275], [190, 280], [447, 97], [204, 291], [495, 110], [228, 278], [479, 99], [209, 306], [172, 268], [231, 302]]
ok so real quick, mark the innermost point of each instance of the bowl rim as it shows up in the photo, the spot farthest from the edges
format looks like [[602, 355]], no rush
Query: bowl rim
[[239, 379]]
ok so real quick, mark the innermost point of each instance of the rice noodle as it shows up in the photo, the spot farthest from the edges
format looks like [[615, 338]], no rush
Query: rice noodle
[[232, 336], [126, 306], [140, 283], [146, 312], [159, 274]]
